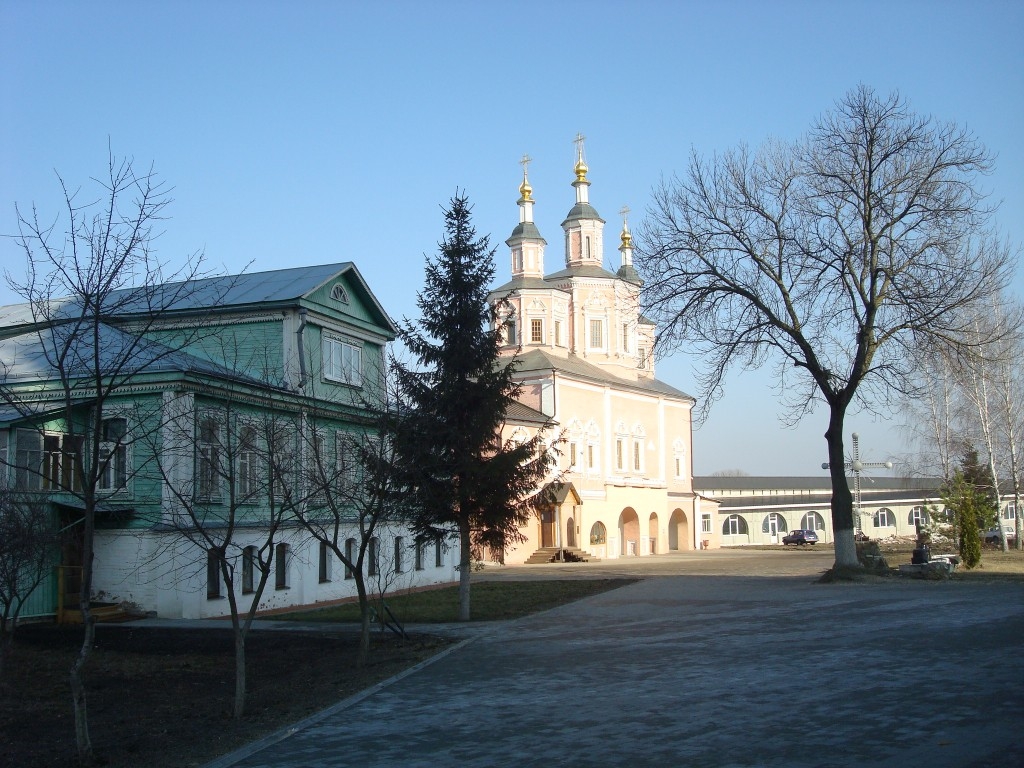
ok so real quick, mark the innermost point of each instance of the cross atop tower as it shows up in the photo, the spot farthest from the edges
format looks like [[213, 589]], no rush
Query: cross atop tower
[[578, 141], [525, 162], [624, 213]]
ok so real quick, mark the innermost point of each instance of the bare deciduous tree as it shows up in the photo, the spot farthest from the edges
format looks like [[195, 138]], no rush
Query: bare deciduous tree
[[94, 289], [833, 257], [243, 490]]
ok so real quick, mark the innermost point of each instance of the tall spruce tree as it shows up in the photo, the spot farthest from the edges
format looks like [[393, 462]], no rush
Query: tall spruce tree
[[464, 481]]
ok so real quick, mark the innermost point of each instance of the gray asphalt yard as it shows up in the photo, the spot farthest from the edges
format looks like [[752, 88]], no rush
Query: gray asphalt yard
[[720, 659]]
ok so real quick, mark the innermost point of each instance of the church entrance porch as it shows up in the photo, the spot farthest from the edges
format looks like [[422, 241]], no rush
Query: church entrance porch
[[679, 531], [629, 532]]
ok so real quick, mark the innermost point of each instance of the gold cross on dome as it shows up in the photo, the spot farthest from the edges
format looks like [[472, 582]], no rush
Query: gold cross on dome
[[624, 213], [578, 141], [525, 162]]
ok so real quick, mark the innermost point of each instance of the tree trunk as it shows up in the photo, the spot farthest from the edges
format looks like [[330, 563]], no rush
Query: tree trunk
[[465, 565], [239, 673], [82, 740], [842, 499], [364, 614]]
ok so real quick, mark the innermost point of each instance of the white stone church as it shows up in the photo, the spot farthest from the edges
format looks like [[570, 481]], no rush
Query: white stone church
[[587, 363]]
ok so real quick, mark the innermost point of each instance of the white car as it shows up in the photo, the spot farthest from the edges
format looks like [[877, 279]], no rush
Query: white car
[[992, 535]]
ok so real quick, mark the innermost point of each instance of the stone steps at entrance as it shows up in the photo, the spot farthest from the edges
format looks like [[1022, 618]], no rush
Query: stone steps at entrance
[[550, 555]]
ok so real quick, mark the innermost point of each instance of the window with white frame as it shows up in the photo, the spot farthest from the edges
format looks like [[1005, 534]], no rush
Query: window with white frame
[[620, 450], [438, 554], [511, 336], [343, 360], [591, 456], [884, 518], [641, 357], [338, 293], [774, 517], [918, 516], [282, 555], [705, 522], [625, 337], [638, 454], [113, 454], [812, 521], [536, 331], [558, 333], [596, 334], [734, 526], [247, 465], [208, 460], [1010, 511], [46, 461], [347, 451]]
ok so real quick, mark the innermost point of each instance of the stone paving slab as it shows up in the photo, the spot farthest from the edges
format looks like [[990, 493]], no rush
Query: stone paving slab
[[691, 668]]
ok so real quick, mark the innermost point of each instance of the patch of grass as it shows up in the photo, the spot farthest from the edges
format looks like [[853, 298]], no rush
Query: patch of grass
[[995, 564], [490, 601]]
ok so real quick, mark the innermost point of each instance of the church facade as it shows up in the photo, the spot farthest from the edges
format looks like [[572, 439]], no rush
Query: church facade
[[586, 361]]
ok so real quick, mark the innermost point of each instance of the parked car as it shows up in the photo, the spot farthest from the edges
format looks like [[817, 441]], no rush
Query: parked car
[[992, 534], [801, 536]]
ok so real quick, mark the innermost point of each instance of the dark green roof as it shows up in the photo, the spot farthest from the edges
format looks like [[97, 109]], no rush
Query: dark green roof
[[629, 274], [526, 283], [582, 211], [582, 271], [525, 230]]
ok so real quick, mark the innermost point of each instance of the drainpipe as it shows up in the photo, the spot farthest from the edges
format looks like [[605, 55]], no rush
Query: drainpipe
[[302, 353]]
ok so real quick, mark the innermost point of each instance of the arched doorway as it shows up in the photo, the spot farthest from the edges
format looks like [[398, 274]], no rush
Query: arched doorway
[[652, 534], [629, 532], [570, 532], [679, 532]]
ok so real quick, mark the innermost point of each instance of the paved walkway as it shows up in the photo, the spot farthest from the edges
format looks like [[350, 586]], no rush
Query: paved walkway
[[690, 667]]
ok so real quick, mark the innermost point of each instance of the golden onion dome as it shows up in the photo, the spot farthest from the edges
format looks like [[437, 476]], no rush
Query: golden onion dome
[[581, 170], [525, 190]]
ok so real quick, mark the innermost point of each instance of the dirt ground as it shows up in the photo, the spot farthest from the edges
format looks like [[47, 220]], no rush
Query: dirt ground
[[162, 698]]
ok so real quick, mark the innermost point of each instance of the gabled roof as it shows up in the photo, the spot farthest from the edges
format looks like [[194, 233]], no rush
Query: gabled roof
[[274, 287], [518, 413], [575, 367], [25, 356]]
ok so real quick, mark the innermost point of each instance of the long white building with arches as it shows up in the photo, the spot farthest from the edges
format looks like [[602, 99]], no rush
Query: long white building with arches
[[586, 362]]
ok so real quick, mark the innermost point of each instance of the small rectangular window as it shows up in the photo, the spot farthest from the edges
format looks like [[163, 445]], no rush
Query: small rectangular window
[[619, 450], [419, 555], [248, 569], [325, 563], [537, 331], [281, 570], [638, 446], [597, 334], [590, 457], [558, 333], [399, 546], [705, 523], [213, 581], [209, 461], [625, 337], [374, 556], [438, 554], [510, 332], [350, 555], [114, 454]]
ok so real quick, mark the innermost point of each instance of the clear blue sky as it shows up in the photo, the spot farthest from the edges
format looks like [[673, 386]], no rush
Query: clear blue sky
[[307, 132]]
